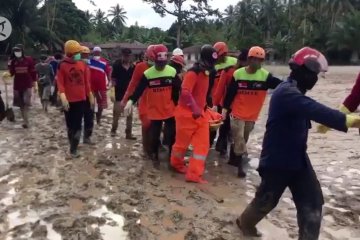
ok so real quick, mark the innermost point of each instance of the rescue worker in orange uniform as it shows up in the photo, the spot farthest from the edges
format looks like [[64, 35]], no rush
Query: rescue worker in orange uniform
[[224, 61], [163, 93], [220, 93], [73, 82], [245, 97], [192, 127], [139, 70]]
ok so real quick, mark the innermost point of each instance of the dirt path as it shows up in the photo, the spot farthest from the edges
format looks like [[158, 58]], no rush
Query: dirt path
[[45, 196]]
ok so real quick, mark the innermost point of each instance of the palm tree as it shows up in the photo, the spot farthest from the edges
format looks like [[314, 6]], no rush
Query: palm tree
[[118, 15], [99, 18]]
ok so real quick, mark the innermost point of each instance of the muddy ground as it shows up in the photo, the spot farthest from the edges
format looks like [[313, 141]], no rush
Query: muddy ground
[[113, 193]]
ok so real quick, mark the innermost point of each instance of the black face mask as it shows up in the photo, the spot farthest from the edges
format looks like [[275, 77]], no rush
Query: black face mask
[[305, 78]]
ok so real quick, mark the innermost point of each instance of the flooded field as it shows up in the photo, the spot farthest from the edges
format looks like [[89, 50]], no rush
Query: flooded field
[[113, 193]]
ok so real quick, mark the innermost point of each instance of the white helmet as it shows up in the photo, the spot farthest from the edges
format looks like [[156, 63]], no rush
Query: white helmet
[[177, 52]]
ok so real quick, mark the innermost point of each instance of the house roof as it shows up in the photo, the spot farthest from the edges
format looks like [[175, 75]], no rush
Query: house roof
[[112, 45], [192, 49]]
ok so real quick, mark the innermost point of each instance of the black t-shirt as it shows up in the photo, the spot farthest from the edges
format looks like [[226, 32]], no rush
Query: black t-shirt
[[122, 77]]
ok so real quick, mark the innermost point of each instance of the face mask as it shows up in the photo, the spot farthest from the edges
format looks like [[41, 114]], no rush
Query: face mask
[[18, 54], [160, 64], [255, 66], [77, 57], [96, 57], [310, 80]]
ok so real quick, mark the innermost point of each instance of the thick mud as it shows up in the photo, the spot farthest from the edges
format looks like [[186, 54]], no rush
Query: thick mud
[[113, 193]]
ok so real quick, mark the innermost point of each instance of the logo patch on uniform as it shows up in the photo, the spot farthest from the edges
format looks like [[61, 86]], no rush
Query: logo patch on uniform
[[242, 85], [155, 83], [257, 85], [168, 81]]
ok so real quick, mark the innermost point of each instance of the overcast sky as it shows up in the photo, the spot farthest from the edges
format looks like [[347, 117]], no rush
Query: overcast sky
[[142, 12]]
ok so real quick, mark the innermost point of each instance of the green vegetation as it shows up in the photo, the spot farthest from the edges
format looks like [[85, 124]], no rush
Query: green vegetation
[[279, 25]]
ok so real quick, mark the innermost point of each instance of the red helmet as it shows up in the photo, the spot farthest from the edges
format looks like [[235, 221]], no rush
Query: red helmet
[[178, 59], [311, 58], [149, 54], [161, 52], [221, 48]]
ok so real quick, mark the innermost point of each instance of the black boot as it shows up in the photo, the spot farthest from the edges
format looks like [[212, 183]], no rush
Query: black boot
[[232, 157], [87, 137], [155, 159], [241, 172], [74, 145], [98, 117], [248, 231], [129, 135]]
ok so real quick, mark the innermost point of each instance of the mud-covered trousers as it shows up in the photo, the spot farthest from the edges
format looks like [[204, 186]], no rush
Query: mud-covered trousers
[[88, 120], [155, 133], [73, 119], [307, 195]]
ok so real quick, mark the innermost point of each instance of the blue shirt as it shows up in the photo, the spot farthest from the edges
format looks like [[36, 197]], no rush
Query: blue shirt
[[285, 140]]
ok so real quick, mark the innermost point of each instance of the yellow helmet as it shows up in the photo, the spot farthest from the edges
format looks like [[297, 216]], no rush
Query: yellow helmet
[[85, 49], [72, 47]]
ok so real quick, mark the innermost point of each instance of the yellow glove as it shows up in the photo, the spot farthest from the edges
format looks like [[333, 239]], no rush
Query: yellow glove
[[352, 121], [112, 94], [323, 129], [92, 100], [64, 102], [6, 76], [344, 109]]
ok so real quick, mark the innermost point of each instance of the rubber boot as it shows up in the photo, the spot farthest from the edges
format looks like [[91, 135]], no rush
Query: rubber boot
[[74, 145], [129, 135], [145, 141], [98, 116], [113, 132], [87, 137], [241, 172], [232, 158], [155, 160], [248, 231]]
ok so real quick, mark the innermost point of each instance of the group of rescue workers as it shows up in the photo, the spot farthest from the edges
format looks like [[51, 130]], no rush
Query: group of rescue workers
[[188, 107]]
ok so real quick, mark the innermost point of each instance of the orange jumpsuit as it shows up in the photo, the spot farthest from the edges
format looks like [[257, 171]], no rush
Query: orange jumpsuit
[[190, 130], [139, 70]]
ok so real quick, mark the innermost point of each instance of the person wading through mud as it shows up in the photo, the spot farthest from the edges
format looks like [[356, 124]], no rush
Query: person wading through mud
[[139, 70], [245, 97], [74, 89], [224, 61], [191, 125], [54, 62], [163, 95], [22, 68], [220, 93], [45, 81], [284, 161], [123, 70], [100, 71], [89, 110]]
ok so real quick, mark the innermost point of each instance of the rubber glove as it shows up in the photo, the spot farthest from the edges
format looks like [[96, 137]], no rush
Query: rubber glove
[[324, 129], [187, 98], [128, 108], [352, 121], [224, 113], [92, 100], [6, 76], [112, 94], [214, 108], [64, 102]]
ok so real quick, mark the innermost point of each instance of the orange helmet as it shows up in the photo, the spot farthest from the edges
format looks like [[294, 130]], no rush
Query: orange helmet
[[257, 52], [178, 59], [72, 47], [85, 50], [221, 48], [149, 53]]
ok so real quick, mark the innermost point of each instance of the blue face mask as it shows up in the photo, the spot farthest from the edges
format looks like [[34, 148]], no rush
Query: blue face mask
[[77, 57]]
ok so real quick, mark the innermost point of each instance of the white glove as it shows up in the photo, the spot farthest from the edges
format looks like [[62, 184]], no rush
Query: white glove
[[224, 114], [128, 108], [214, 108]]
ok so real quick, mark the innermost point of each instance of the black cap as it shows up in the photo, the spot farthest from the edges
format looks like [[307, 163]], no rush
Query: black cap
[[126, 51], [208, 54], [243, 54]]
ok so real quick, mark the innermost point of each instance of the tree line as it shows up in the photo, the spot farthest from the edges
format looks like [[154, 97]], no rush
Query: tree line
[[281, 26]]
